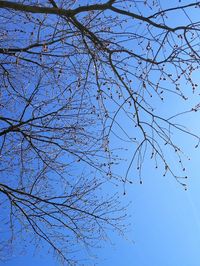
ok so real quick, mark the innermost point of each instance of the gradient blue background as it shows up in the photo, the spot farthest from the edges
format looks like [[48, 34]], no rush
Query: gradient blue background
[[165, 219]]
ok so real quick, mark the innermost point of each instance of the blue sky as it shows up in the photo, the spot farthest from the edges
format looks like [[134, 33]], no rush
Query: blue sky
[[165, 227], [165, 219]]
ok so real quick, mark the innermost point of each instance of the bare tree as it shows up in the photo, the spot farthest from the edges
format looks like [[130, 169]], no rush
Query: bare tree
[[69, 69]]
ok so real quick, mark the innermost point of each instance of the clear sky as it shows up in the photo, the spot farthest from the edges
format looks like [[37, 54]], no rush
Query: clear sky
[[165, 219], [165, 223], [165, 226]]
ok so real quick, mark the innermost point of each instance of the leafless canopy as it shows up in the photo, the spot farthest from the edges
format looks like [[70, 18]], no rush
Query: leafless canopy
[[71, 73]]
